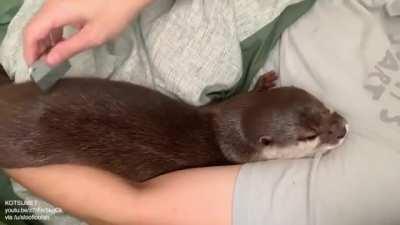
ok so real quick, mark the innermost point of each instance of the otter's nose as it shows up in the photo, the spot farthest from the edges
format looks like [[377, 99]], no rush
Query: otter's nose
[[340, 132], [338, 128]]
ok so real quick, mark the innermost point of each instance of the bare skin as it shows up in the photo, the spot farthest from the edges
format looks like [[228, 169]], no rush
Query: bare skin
[[97, 21], [181, 197]]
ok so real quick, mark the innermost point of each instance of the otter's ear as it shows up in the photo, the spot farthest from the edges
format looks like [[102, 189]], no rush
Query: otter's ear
[[266, 81]]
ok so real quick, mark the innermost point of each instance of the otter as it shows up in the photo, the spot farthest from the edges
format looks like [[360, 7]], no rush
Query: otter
[[139, 133]]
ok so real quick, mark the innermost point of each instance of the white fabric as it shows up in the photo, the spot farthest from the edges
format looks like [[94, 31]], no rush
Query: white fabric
[[347, 53]]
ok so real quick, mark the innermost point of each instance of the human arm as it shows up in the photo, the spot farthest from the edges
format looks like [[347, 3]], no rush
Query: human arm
[[182, 197]]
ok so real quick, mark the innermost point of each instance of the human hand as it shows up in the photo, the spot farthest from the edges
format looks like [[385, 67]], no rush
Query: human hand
[[97, 21]]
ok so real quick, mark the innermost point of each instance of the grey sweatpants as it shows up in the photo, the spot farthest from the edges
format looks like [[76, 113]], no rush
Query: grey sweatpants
[[347, 53]]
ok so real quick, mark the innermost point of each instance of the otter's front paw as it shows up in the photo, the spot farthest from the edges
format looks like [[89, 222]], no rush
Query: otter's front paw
[[266, 81]]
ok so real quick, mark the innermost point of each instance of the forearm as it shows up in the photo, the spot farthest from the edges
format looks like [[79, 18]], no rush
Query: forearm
[[89, 194], [190, 197], [182, 197]]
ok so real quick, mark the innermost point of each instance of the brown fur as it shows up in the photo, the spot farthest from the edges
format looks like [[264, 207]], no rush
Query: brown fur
[[130, 130], [4, 79]]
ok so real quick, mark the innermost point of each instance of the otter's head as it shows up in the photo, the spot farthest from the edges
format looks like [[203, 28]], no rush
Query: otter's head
[[279, 123], [291, 123]]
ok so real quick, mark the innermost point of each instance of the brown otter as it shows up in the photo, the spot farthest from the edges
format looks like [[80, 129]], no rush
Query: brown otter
[[139, 133]]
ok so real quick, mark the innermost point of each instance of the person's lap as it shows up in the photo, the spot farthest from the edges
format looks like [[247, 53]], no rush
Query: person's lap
[[359, 182]]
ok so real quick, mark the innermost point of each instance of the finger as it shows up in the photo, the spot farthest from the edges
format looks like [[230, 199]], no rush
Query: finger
[[86, 38], [40, 27], [56, 36]]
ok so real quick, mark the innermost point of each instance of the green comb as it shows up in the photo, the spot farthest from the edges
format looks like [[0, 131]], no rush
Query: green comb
[[46, 77]]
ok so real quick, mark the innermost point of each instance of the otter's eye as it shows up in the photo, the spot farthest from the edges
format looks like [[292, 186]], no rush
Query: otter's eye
[[308, 137], [265, 140]]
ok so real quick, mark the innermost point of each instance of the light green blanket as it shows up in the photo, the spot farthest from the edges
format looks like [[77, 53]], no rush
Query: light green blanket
[[8, 8]]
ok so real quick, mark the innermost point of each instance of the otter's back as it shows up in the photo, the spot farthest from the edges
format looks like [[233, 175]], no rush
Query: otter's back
[[113, 125]]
